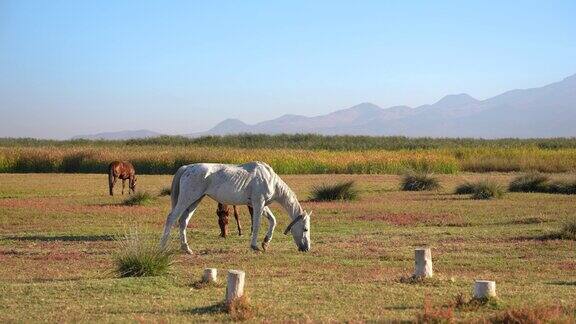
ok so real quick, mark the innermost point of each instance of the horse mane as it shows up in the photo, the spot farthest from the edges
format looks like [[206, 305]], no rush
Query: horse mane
[[288, 197]]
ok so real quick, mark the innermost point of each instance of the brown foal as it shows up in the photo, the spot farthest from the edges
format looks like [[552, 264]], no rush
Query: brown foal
[[121, 170], [223, 212]]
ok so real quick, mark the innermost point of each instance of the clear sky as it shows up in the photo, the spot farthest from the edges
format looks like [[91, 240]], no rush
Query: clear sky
[[78, 67]]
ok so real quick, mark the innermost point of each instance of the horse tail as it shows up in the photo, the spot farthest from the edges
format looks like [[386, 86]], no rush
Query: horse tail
[[111, 178], [176, 185]]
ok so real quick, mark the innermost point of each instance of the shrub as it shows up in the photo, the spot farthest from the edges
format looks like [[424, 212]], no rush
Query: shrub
[[487, 189], [419, 181], [166, 191], [532, 182], [139, 198], [138, 257], [339, 191]]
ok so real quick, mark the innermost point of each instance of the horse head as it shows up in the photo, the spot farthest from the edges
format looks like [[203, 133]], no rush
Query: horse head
[[300, 229]]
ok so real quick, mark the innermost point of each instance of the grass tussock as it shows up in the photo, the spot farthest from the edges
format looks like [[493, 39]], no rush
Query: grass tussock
[[166, 191], [532, 182], [330, 192], [536, 182], [473, 304], [141, 257], [139, 198], [485, 189], [241, 309], [419, 181], [567, 232], [466, 188]]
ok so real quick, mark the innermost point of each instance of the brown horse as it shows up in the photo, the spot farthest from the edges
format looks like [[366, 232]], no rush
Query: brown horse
[[223, 211], [123, 170]]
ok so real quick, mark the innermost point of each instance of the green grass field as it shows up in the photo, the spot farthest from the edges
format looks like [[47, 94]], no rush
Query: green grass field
[[57, 241]]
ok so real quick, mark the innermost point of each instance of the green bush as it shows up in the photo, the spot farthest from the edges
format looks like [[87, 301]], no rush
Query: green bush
[[419, 181], [139, 198], [339, 191], [138, 257]]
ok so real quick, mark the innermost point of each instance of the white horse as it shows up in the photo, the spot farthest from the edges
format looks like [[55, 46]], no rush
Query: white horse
[[254, 184]]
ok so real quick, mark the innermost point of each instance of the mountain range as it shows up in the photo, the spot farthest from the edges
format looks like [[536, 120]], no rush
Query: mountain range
[[121, 135], [548, 111]]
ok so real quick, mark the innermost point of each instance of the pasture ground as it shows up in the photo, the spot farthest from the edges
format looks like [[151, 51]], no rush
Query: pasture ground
[[56, 247]]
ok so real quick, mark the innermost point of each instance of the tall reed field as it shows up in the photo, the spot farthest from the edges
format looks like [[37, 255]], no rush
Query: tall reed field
[[293, 154]]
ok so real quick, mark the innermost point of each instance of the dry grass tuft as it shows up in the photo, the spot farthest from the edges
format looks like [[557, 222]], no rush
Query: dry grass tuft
[[166, 191], [241, 309], [139, 198], [140, 257]]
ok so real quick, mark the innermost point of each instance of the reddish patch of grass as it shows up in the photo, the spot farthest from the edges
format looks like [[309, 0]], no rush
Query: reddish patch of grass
[[62, 205], [431, 314], [541, 314]]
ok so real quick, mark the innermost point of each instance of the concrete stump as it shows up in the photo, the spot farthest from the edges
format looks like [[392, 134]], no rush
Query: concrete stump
[[210, 275], [234, 285], [423, 260], [484, 289]]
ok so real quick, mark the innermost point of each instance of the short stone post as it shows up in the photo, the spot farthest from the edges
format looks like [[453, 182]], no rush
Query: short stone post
[[484, 289], [423, 259], [234, 285], [210, 275]]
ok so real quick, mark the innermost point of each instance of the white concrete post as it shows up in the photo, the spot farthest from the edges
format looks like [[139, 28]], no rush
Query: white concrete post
[[484, 289], [423, 259], [210, 275], [234, 285]]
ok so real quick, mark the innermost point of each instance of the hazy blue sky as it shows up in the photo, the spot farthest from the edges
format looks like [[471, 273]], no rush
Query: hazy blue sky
[[76, 67]]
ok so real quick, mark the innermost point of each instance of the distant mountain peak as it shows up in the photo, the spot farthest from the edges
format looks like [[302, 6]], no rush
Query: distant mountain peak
[[454, 100]]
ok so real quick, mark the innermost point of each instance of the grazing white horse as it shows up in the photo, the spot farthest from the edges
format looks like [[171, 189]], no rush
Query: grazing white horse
[[254, 184]]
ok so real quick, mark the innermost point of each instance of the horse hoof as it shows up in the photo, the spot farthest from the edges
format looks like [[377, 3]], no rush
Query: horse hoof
[[255, 248], [265, 245], [186, 250]]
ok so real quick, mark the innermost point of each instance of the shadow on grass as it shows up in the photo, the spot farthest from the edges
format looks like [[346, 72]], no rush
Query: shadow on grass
[[562, 283], [208, 310], [66, 238]]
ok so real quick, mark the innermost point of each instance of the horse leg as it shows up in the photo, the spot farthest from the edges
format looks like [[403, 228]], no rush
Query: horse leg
[[237, 220], [271, 226], [175, 214], [258, 207], [222, 212], [112, 184], [123, 183], [184, 223], [251, 212]]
